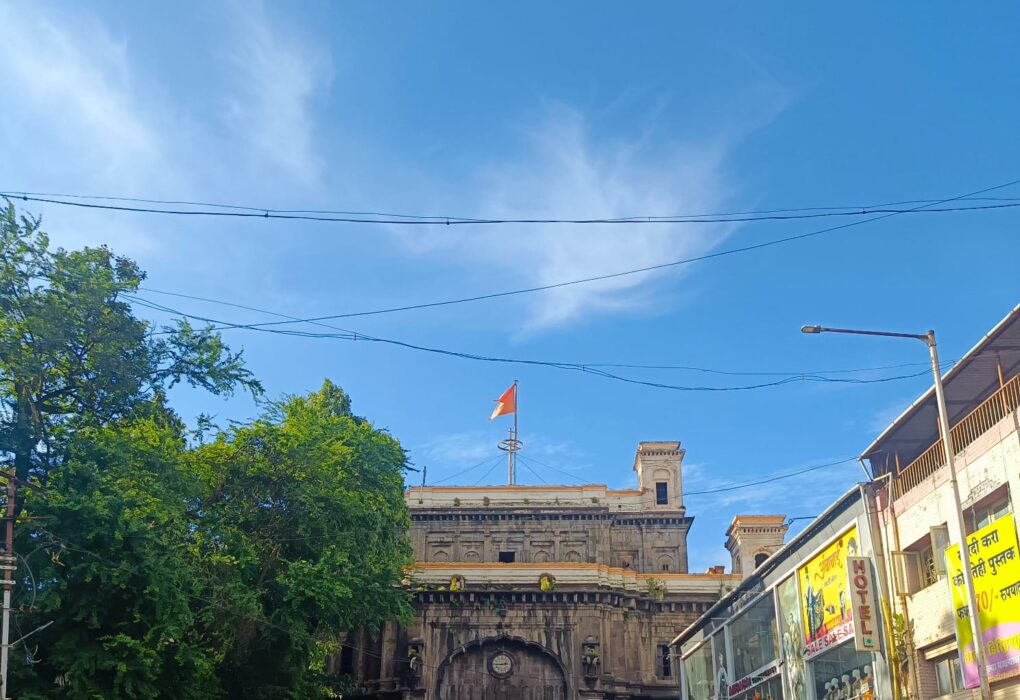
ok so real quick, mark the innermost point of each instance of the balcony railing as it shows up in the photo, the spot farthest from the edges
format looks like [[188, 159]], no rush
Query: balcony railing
[[996, 407]]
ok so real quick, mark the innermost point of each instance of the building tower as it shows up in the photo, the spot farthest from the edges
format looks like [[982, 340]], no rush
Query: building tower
[[658, 471], [751, 539]]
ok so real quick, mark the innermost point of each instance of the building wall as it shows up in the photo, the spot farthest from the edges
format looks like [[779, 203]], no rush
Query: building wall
[[618, 560], [986, 464], [854, 509], [645, 543], [987, 470]]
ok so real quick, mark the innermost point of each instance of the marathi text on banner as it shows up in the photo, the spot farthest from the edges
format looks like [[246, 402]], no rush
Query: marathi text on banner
[[995, 570], [825, 604]]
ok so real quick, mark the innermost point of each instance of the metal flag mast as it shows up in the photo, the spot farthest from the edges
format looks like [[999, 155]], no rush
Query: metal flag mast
[[512, 445]]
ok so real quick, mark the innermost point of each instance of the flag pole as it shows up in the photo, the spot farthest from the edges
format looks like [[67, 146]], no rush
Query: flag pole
[[510, 444], [516, 443]]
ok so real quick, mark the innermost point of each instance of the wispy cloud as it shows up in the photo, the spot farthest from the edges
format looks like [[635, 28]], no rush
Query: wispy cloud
[[567, 170], [77, 118], [74, 87], [278, 74]]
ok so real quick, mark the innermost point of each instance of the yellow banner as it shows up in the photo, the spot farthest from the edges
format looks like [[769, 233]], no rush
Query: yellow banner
[[995, 568], [825, 602]]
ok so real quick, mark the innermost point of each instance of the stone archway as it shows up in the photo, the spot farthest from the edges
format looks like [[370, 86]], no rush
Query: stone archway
[[481, 671]]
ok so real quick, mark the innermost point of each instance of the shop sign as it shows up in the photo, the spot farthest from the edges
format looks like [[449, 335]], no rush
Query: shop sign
[[995, 570], [861, 583], [759, 676], [826, 608]]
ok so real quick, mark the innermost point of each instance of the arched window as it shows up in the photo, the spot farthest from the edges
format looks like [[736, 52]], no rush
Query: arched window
[[760, 558]]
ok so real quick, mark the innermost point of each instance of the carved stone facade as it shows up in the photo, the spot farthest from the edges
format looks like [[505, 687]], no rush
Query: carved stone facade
[[551, 592]]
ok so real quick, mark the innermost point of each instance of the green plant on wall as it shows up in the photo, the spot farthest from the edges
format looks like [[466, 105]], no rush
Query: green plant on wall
[[656, 588], [900, 656]]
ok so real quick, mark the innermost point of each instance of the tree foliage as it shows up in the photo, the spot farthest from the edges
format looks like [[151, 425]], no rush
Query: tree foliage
[[73, 354], [157, 568]]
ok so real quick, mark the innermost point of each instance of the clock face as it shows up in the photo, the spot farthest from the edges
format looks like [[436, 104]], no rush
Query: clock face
[[501, 664]]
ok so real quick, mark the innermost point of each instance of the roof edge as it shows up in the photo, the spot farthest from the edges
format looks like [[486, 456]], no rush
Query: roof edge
[[837, 506], [956, 369]]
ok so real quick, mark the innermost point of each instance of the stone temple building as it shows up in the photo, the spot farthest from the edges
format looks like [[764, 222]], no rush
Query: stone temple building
[[549, 592]]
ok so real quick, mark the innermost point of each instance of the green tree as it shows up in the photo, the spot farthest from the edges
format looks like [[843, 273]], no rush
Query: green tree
[[111, 563], [225, 570], [72, 353], [306, 518]]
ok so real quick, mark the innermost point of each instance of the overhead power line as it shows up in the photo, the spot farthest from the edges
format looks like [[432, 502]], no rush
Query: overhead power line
[[345, 334], [721, 489], [369, 217], [594, 365], [635, 271], [769, 480]]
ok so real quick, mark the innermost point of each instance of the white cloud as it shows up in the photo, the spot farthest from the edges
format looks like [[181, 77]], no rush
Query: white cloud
[[76, 120], [71, 81], [457, 449], [277, 77], [567, 172]]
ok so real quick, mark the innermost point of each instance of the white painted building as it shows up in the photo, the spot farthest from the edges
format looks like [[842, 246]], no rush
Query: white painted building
[[918, 515]]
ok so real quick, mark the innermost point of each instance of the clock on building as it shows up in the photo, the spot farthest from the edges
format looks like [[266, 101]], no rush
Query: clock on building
[[501, 664]]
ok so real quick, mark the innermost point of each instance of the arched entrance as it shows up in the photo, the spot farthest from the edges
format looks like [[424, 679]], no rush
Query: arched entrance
[[501, 669]]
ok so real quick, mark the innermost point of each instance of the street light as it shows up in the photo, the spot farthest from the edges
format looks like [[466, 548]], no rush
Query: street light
[[940, 398]]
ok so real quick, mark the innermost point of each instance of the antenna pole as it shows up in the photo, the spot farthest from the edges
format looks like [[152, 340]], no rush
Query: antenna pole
[[512, 445]]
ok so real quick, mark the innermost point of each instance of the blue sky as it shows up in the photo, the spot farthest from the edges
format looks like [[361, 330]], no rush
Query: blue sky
[[549, 110]]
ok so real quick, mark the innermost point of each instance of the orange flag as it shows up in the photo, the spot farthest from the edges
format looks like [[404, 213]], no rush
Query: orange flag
[[506, 404]]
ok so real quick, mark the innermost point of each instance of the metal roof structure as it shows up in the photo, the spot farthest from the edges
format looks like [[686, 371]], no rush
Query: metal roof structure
[[972, 380]]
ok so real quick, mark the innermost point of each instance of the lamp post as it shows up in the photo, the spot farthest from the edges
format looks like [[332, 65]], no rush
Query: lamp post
[[961, 533]]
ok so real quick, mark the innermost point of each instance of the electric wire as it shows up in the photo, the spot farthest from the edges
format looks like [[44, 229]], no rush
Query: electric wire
[[689, 368], [440, 217], [778, 477], [566, 366], [234, 211], [535, 473], [558, 471], [640, 270], [484, 462], [484, 476]]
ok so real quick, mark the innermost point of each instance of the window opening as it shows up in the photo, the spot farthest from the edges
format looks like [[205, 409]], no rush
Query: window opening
[[949, 674], [507, 557], [346, 659], [661, 493], [666, 667]]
